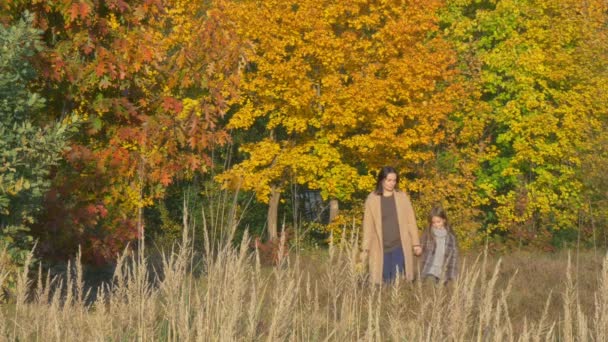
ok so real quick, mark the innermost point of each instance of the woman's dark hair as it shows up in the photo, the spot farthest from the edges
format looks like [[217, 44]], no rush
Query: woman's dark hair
[[384, 172], [438, 211]]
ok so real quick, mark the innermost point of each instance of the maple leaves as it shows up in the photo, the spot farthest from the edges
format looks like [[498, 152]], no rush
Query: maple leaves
[[79, 10], [151, 79]]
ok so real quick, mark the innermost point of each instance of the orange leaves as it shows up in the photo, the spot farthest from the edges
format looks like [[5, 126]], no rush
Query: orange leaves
[[80, 10], [118, 5], [172, 105], [165, 178], [100, 69]]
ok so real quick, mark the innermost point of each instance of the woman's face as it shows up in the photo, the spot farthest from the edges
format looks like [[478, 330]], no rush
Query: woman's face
[[437, 222], [388, 184]]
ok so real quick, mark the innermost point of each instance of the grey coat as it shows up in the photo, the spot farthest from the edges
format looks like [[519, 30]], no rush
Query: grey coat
[[450, 263]]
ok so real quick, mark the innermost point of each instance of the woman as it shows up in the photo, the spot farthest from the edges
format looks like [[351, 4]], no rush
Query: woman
[[390, 233]]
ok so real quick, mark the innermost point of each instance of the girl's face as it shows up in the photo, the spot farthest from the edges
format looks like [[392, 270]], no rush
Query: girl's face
[[437, 222], [388, 184]]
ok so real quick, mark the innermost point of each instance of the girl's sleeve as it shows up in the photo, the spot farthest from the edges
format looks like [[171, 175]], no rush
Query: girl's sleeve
[[454, 260], [424, 243]]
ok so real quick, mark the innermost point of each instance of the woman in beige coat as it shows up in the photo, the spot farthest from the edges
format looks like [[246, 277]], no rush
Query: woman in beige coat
[[390, 233]]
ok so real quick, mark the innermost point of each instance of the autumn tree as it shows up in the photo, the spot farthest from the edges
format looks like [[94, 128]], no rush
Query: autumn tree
[[288, 50], [340, 89], [29, 147], [594, 56], [537, 98], [151, 80]]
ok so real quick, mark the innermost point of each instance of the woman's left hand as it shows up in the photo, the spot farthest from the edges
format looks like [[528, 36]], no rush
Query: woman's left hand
[[417, 250]]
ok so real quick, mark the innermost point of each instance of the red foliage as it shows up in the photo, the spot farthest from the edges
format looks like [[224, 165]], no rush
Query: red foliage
[[115, 63]]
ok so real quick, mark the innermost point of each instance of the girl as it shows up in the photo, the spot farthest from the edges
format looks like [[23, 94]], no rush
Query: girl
[[390, 234], [440, 250]]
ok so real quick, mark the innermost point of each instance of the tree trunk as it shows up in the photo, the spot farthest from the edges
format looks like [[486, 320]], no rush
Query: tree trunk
[[273, 210], [334, 208]]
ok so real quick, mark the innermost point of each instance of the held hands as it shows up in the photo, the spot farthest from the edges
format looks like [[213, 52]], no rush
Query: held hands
[[417, 250]]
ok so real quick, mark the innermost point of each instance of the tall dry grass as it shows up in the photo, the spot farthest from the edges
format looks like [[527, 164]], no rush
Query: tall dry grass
[[233, 297]]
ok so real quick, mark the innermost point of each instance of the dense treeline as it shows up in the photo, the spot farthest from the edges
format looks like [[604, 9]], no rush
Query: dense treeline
[[111, 110]]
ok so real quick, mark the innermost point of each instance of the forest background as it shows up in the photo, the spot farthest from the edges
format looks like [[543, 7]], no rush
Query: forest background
[[117, 114]]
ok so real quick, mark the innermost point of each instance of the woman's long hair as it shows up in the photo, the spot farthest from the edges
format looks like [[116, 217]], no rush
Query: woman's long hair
[[384, 172]]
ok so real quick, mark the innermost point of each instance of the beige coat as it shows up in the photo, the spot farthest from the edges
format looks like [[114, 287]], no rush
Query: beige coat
[[372, 246]]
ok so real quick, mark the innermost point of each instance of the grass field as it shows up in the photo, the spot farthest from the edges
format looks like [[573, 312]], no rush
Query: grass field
[[314, 295]]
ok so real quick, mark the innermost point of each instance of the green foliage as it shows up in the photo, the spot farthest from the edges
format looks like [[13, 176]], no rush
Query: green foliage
[[536, 77], [28, 151]]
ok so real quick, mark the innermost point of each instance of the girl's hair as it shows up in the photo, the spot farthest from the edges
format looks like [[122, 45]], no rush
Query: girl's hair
[[438, 211], [384, 172]]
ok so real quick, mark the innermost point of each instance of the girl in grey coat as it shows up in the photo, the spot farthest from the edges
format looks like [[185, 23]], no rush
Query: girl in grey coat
[[439, 248]]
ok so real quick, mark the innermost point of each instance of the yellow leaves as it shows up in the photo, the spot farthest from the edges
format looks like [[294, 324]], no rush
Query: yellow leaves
[[19, 185], [262, 153], [130, 146], [245, 116], [191, 106], [258, 171], [534, 80], [182, 26], [130, 195], [113, 22]]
